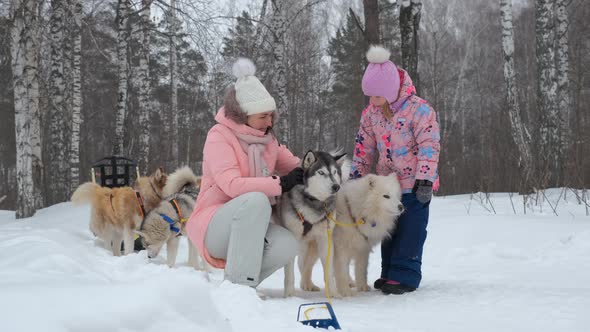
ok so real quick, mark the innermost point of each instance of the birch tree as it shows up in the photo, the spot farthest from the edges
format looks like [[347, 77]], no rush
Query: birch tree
[[123, 74], [564, 102], [143, 78], [25, 60], [520, 134], [259, 35], [76, 116], [58, 115], [279, 78], [174, 82], [409, 21], [547, 89]]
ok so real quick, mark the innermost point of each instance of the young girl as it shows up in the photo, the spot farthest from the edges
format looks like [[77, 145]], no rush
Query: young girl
[[402, 128], [230, 224]]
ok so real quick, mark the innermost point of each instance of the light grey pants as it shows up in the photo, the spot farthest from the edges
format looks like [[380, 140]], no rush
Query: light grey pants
[[253, 248]]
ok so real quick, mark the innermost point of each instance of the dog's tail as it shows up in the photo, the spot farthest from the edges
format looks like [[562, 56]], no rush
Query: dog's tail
[[85, 193], [181, 177]]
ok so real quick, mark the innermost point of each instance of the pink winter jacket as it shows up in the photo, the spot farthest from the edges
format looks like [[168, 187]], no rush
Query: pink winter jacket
[[408, 144], [226, 176]]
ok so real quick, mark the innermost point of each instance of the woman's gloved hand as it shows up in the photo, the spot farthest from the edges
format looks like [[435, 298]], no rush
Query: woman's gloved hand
[[292, 179]]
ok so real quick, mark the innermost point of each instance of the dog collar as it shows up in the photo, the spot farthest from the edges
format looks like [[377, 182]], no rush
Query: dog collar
[[177, 209], [308, 196], [140, 203]]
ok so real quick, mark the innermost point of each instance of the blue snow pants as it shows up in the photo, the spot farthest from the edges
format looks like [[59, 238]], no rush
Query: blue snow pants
[[401, 254]]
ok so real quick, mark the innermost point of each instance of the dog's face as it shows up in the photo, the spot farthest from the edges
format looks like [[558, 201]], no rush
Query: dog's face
[[191, 190], [384, 197], [323, 173], [153, 238], [153, 184]]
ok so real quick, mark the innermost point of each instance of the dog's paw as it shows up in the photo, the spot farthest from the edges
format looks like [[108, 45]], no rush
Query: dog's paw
[[336, 294], [363, 288], [309, 286], [289, 292], [345, 291]]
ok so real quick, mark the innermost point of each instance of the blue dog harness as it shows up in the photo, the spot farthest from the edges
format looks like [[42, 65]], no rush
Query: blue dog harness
[[170, 222]]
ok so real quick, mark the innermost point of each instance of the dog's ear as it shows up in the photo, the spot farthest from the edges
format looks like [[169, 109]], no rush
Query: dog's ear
[[158, 173], [337, 153], [309, 159], [340, 156], [345, 165], [341, 160], [160, 177]]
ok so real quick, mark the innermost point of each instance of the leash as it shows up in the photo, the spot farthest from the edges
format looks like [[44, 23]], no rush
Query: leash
[[328, 253], [357, 222], [327, 272], [330, 217], [338, 223]]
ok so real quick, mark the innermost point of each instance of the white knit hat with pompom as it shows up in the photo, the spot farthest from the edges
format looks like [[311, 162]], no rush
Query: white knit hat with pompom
[[250, 93]]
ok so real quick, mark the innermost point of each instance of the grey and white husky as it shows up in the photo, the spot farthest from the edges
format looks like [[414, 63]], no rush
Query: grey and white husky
[[305, 211], [166, 222]]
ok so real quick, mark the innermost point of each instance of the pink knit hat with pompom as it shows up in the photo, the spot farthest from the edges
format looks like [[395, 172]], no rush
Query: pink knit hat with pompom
[[381, 77]]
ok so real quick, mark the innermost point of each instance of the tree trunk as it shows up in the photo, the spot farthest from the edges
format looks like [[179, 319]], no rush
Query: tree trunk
[[58, 115], [564, 101], [547, 91], [371, 21], [143, 78], [76, 6], [25, 60], [279, 81], [520, 134], [410, 12], [259, 34], [123, 75], [174, 84]]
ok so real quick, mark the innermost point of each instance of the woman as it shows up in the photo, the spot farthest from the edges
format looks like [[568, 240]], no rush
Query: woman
[[244, 168]]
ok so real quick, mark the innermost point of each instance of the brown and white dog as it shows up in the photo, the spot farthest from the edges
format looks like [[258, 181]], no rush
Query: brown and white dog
[[118, 212]]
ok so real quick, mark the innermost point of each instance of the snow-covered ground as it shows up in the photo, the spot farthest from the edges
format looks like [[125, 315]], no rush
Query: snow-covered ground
[[483, 271]]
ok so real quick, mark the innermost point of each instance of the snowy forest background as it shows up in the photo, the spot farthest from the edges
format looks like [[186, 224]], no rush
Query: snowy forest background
[[84, 79]]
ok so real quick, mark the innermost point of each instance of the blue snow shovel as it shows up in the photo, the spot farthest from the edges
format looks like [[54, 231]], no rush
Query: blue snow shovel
[[319, 314]]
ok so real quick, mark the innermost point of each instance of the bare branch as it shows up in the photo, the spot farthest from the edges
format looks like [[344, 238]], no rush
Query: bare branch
[[356, 20]]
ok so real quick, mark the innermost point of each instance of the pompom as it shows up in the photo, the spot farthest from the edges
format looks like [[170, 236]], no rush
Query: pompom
[[243, 67], [377, 54]]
